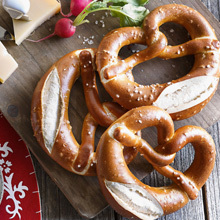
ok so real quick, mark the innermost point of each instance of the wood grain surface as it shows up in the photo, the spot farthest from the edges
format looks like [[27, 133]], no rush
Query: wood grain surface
[[83, 193]]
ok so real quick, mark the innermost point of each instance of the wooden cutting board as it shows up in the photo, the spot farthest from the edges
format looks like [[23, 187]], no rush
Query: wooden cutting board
[[34, 60]]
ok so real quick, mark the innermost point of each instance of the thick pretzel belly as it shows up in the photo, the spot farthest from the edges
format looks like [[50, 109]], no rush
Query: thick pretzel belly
[[49, 113]]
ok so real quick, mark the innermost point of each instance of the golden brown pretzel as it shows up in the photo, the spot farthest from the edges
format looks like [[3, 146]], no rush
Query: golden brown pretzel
[[129, 196], [50, 121], [98, 110], [183, 97], [103, 113]]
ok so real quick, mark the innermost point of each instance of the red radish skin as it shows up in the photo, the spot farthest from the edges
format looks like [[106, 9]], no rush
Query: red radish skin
[[76, 7], [64, 28]]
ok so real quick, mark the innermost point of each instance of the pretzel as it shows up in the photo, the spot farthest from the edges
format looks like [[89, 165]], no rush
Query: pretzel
[[129, 196], [49, 114], [181, 98]]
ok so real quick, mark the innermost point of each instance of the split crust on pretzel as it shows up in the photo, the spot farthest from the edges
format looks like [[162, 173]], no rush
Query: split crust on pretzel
[[181, 98], [129, 196], [49, 113]]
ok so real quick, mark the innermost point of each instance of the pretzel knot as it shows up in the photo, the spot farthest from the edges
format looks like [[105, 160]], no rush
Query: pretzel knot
[[129, 196], [49, 113], [182, 97]]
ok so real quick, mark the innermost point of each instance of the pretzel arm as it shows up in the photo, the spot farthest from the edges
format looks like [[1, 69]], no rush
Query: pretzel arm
[[127, 138], [91, 92], [195, 46], [86, 155]]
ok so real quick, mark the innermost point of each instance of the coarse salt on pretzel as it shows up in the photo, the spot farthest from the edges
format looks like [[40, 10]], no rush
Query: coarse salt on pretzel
[[182, 97], [98, 110], [129, 196], [49, 114]]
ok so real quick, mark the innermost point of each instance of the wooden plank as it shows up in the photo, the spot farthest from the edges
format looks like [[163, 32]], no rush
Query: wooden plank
[[212, 186], [34, 60], [211, 190]]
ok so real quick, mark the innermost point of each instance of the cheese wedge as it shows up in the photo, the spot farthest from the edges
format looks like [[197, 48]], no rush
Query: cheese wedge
[[7, 64], [40, 11]]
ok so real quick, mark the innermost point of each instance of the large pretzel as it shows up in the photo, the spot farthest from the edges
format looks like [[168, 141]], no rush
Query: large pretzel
[[49, 114], [129, 196], [183, 97]]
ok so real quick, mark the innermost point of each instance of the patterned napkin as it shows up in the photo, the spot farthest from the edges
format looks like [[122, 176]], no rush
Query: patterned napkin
[[21, 194]]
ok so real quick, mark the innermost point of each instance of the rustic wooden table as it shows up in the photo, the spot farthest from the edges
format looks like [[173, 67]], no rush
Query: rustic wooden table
[[56, 206]]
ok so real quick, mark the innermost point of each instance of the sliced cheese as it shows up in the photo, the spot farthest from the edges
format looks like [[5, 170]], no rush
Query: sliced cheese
[[40, 11], [7, 64]]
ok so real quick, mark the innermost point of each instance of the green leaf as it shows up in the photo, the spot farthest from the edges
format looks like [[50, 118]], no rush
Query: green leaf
[[142, 2], [129, 14], [124, 2], [97, 5]]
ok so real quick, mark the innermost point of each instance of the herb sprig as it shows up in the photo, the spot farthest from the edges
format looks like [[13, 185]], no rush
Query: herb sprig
[[130, 12]]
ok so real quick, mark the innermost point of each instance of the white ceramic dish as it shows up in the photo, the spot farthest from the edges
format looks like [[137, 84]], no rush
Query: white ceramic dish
[[1, 186]]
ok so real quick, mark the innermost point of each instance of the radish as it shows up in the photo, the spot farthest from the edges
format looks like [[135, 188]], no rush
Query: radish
[[82, 8], [64, 28], [76, 7]]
